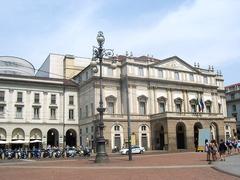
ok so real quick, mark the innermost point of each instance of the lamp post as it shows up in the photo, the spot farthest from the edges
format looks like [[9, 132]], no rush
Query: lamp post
[[98, 54]]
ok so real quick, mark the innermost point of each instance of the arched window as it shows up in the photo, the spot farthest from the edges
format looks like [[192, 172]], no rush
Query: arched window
[[111, 101], [162, 104], [142, 105], [178, 104]]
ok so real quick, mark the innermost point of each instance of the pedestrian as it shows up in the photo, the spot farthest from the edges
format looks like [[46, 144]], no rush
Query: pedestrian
[[207, 150], [222, 150], [214, 149]]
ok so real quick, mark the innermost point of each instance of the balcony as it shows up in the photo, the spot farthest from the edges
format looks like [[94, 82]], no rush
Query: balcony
[[186, 115]]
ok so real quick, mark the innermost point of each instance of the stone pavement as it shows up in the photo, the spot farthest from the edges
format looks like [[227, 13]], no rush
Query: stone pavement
[[231, 165], [170, 166]]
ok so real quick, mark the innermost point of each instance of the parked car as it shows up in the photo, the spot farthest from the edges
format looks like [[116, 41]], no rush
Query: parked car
[[135, 150]]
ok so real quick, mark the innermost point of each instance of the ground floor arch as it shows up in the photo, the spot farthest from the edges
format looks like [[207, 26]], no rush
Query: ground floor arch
[[214, 131], [71, 138], [53, 137], [181, 135], [158, 137]]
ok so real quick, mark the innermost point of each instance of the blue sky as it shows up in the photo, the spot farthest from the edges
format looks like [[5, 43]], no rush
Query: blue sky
[[204, 31]]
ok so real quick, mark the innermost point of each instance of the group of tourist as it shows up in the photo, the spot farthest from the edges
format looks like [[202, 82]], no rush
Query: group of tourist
[[213, 149]]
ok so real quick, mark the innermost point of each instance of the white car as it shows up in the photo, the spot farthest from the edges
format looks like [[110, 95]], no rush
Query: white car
[[135, 150]]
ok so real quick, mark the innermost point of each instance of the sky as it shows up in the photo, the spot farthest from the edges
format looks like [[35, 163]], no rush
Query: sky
[[202, 31]]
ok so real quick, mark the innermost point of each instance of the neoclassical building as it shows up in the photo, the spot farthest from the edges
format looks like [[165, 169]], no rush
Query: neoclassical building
[[38, 111], [233, 104], [57, 106], [163, 103]]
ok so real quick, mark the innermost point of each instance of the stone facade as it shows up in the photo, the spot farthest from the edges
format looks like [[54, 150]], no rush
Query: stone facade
[[233, 104], [38, 110], [163, 99]]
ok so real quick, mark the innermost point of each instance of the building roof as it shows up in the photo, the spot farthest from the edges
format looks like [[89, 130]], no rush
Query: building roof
[[233, 85]]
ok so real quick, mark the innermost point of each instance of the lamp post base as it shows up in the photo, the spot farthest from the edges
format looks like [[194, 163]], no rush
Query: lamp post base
[[101, 156]]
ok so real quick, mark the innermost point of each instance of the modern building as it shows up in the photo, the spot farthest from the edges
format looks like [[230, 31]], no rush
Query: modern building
[[233, 104], [36, 111], [62, 66], [163, 99]]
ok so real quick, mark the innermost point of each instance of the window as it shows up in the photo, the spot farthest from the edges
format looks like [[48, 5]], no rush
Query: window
[[92, 109], [80, 113], [110, 107], [205, 80], [234, 108], [19, 97], [160, 73], [142, 109], [19, 111], [71, 114], [178, 108], [1, 110], [176, 76], [142, 104], [86, 108], [193, 103], [36, 98], [232, 96], [143, 128], [86, 129], [117, 128], [87, 75], [71, 100], [219, 108], [110, 101], [2, 93], [140, 71], [36, 112], [53, 98], [161, 103], [178, 105], [80, 131], [191, 77], [52, 113], [161, 107], [110, 71], [208, 106], [92, 128]]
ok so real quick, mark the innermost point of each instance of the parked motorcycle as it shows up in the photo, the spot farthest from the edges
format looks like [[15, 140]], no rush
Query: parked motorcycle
[[36, 153], [21, 154], [58, 153], [48, 153], [9, 154]]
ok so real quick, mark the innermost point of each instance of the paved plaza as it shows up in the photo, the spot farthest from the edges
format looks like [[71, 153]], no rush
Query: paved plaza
[[170, 166]]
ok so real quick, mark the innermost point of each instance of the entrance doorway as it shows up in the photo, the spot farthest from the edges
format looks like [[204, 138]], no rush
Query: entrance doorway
[[52, 137], [181, 134], [71, 138]]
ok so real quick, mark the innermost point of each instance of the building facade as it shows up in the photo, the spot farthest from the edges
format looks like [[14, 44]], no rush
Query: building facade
[[164, 98], [38, 111], [233, 104]]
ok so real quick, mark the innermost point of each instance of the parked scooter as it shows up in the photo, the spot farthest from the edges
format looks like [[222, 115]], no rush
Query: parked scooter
[[9, 153], [21, 154], [36, 153], [58, 153], [86, 152], [48, 153]]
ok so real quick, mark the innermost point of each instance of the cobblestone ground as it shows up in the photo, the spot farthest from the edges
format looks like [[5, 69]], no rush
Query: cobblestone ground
[[143, 167]]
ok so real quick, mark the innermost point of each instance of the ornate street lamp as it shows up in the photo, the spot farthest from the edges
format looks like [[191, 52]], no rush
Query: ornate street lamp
[[98, 54]]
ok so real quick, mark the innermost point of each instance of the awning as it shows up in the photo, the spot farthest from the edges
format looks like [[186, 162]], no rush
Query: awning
[[3, 142], [36, 141], [19, 142]]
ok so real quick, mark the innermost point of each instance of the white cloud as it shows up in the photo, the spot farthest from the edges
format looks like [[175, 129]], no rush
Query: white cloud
[[205, 31]]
